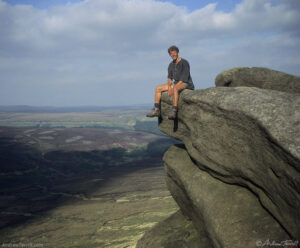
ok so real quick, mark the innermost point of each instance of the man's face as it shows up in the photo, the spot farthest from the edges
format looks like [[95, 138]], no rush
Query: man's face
[[173, 54]]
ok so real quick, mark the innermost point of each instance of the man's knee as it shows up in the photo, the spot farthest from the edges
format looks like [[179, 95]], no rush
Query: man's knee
[[179, 88], [159, 88], [176, 89]]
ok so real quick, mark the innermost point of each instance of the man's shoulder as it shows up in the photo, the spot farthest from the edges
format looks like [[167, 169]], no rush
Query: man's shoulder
[[184, 61]]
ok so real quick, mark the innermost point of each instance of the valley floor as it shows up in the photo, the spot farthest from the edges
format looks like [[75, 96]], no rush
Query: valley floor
[[116, 215]]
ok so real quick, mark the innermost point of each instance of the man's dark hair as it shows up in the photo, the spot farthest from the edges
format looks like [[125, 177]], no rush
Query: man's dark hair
[[173, 48]]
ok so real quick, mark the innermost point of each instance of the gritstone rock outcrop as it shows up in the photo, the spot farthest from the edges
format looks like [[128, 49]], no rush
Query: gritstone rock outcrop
[[236, 175], [259, 77]]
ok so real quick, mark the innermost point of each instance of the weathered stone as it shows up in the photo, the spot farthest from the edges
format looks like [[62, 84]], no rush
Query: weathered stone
[[244, 136], [259, 77], [174, 232], [230, 215]]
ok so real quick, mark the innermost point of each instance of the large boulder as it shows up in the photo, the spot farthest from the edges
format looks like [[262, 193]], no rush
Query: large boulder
[[244, 136], [236, 175], [258, 77], [230, 215]]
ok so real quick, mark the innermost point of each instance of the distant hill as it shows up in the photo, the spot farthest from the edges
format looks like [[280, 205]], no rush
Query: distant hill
[[77, 109]]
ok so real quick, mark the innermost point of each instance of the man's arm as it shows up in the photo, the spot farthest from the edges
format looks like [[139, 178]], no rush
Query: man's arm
[[170, 87], [170, 75]]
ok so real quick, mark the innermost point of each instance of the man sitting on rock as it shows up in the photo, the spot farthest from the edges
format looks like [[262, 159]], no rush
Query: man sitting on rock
[[179, 78]]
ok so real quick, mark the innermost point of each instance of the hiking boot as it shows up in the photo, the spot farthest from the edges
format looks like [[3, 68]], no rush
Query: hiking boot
[[173, 113], [155, 112]]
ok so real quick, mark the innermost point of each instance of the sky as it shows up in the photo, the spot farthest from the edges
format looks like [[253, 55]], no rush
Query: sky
[[114, 52]]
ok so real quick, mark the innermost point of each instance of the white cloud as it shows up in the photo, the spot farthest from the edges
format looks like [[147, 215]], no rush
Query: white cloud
[[101, 42]]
